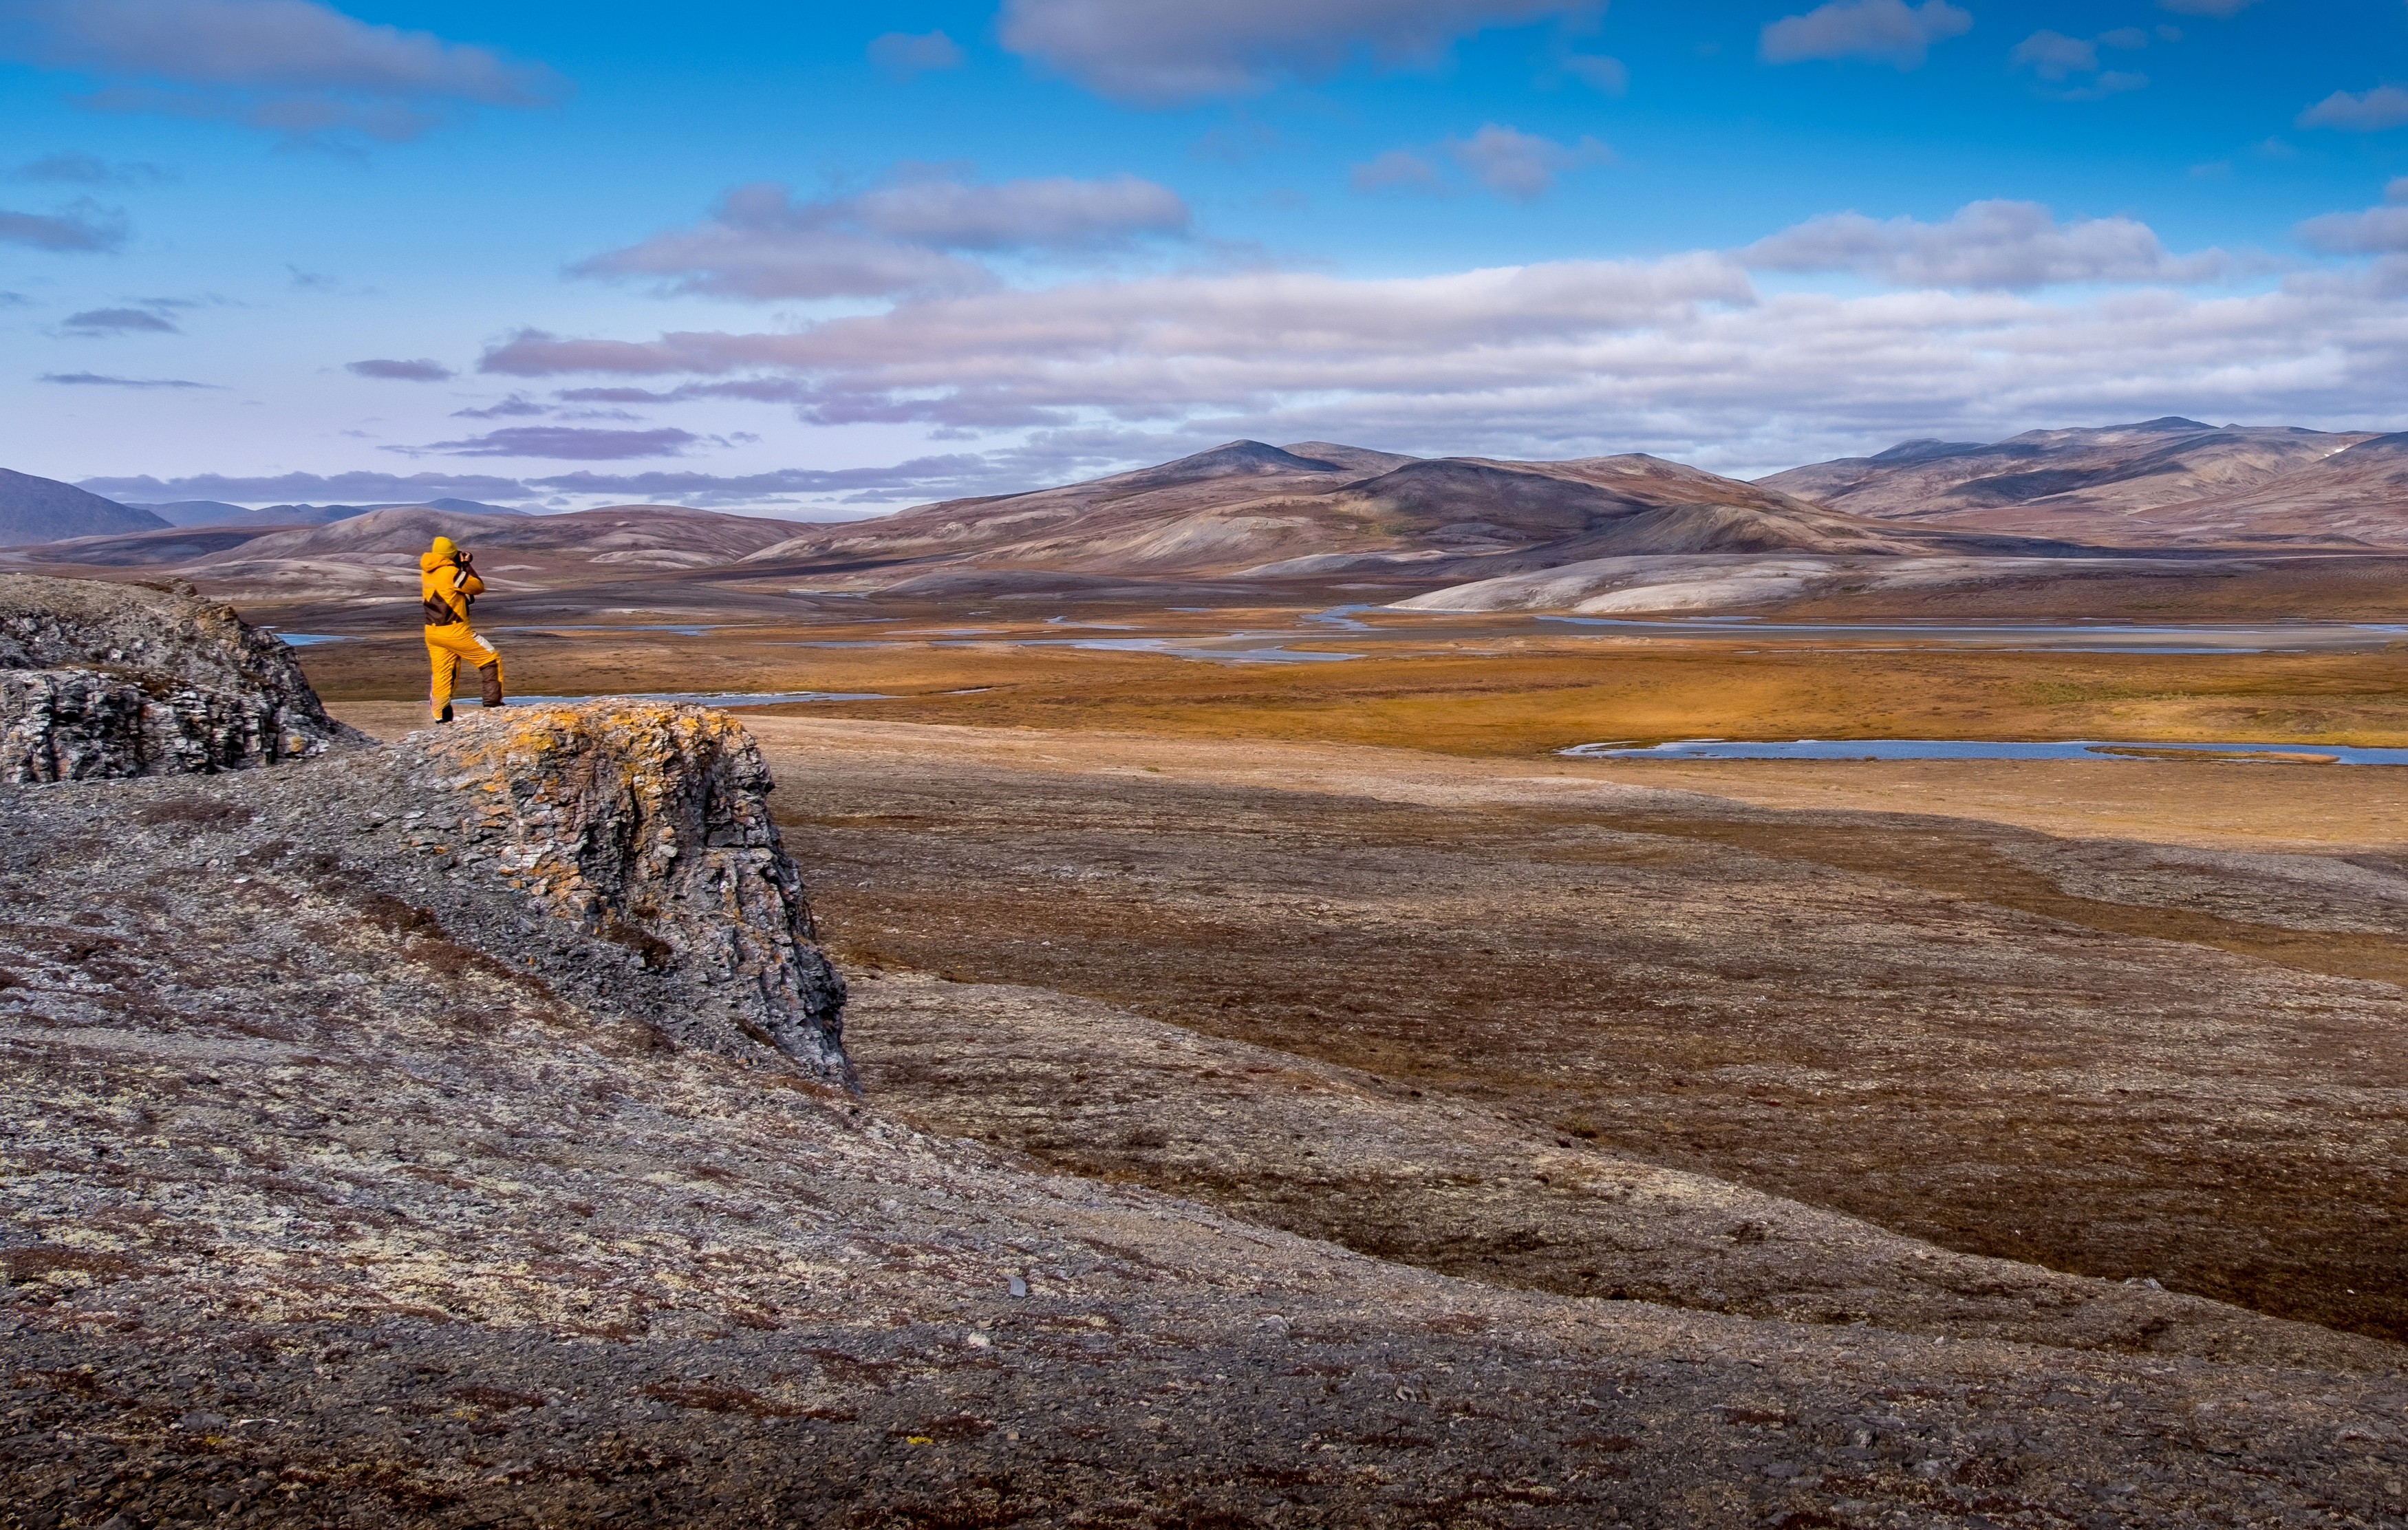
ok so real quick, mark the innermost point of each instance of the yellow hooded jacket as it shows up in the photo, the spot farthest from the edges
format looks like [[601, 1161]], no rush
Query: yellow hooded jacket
[[444, 588]]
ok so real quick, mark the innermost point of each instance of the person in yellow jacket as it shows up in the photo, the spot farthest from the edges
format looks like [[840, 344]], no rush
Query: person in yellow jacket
[[447, 586]]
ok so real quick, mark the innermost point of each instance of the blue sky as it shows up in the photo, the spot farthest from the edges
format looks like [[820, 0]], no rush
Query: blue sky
[[829, 261]]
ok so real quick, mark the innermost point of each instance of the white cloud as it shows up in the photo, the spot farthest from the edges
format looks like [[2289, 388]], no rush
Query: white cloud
[[2368, 112], [82, 226], [74, 165], [2377, 231], [1160, 52], [565, 443], [1888, 31], [1163, 346], [1516, 166], [1683, 355], [1053, 456], [105, 322], [2053, 55], [400, 371], [1598, 72], [1056, 212], [900, 237], [2112, 83], [513, 408], [1522, 166], [901, 55], [96, 380], [1672, 356], [1997, 244], [291, 66], [288, 488], [943, 477], [1398, 169]]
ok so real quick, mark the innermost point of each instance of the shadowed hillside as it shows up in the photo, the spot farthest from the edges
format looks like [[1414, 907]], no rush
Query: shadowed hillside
[[1248, 510], [36, 510]]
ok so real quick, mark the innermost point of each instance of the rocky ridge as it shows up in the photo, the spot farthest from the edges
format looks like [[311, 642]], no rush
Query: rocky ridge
[[118, 679]]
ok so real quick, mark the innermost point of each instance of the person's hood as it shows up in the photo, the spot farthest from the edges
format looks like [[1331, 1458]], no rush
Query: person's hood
[[443, 552]]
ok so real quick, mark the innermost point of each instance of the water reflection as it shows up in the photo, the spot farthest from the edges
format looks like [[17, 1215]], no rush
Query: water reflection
[[1962, 749], [2085, 636]]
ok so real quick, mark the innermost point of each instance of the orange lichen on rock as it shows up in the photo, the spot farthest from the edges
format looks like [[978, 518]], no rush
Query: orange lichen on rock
[[649, 826]]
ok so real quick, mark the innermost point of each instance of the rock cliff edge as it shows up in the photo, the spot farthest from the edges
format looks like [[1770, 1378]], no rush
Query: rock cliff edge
[[646, 827], [101, 679]]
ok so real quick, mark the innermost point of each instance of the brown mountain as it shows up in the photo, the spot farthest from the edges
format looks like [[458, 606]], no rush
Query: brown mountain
[[1247, 508], [2356, 494], [2155, 483]]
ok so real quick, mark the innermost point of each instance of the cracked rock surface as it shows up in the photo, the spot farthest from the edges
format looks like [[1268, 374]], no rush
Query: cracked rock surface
[[101, 679], [649, 827]]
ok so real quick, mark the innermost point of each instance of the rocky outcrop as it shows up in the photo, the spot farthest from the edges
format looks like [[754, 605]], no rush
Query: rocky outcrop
[[648, 827], [645, 830], [102, 680]]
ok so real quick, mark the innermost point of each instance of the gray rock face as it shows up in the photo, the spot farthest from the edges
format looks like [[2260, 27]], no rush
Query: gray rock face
[[100, 680], [647, 826]]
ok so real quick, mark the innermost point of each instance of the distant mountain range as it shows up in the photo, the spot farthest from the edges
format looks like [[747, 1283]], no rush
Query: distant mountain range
[[2158, 483], [1249, 510], [213, 512], [1605, 532], [35, 510], [376, 551]]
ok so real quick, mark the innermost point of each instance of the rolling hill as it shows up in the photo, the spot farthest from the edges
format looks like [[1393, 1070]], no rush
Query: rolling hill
[[213, 512], [38, 509], [1249, 510], [1632, 531], [2161, 482], [377, 552]]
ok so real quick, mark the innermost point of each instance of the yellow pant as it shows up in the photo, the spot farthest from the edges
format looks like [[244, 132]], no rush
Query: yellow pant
[[447, 650]]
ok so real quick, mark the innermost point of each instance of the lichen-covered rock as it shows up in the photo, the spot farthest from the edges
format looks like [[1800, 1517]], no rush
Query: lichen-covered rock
[[106, 679], [648, 825]]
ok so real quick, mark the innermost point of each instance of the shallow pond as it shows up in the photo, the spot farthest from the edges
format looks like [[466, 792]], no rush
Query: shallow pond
[[2062, 637], [1960, 749]]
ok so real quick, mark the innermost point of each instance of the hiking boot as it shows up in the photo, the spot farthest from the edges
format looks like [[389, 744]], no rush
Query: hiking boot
[[492, 675], [445, 715]]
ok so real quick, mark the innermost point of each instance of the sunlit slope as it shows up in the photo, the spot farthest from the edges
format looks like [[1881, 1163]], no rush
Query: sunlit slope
[[1247, 508], [2157, 482]]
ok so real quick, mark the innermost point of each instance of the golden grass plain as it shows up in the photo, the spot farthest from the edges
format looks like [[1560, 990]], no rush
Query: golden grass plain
[[1462, 685], [1794, 890]]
